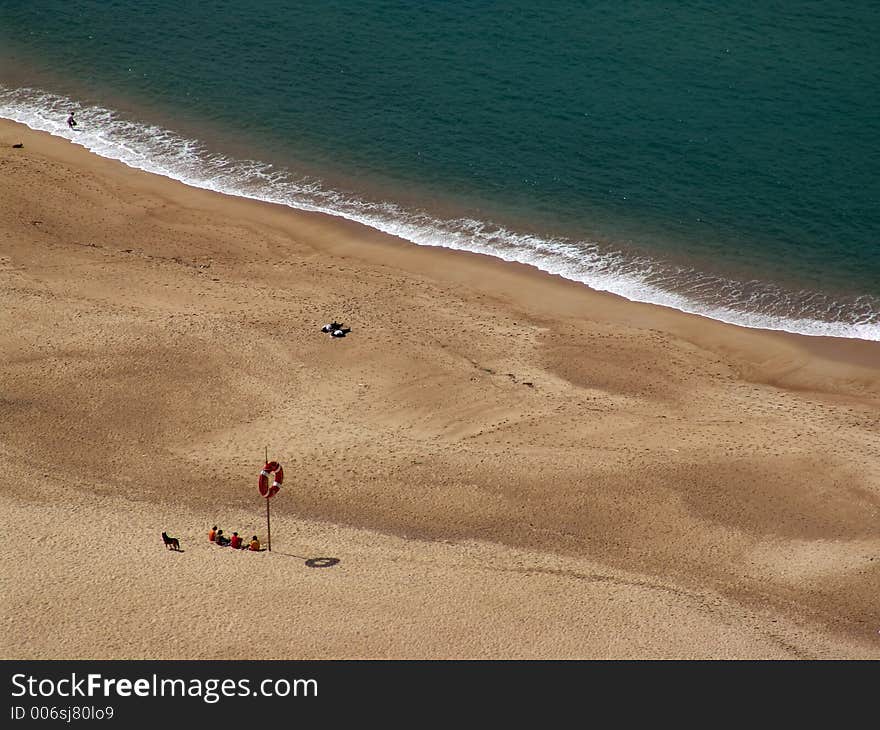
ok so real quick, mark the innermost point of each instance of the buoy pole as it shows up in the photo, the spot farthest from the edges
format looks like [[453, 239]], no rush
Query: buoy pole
[[268, 524]]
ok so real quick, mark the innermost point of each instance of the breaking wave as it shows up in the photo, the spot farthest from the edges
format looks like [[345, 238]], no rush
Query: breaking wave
[[755, 303]]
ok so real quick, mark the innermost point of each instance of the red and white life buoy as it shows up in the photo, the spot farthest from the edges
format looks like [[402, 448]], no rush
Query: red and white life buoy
[[272, 467]]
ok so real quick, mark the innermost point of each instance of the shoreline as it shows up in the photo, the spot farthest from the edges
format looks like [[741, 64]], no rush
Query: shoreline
[[630, 285], [158, 335], [853, 351]]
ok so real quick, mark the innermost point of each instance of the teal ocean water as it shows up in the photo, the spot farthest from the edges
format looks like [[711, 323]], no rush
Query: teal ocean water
[[718, 159]]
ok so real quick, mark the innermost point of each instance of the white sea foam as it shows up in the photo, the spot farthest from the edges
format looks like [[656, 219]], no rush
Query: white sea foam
[[161, 151]]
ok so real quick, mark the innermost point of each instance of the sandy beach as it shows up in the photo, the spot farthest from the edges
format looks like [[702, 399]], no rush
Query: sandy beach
[[504, 464]]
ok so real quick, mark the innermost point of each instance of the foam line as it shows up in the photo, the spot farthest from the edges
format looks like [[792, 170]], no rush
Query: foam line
[[154, 149]]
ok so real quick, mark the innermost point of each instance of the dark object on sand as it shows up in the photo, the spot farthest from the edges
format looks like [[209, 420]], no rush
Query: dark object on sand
[[332, 327], [340, 332], [172, 543], [18, 146], [322, 562]]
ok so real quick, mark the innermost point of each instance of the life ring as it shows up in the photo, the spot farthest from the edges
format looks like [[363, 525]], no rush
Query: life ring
[[272, 467]]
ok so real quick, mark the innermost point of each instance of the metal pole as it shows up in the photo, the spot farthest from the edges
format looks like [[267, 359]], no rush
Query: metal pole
[[268, 524]]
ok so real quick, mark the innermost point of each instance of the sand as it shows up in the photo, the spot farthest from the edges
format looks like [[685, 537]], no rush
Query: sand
[[503, 463]]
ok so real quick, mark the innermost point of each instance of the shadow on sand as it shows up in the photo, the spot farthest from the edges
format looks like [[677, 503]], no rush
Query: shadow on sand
[[313, 562]]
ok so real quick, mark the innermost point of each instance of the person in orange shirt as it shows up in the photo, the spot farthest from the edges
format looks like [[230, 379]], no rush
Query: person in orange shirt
[[235, 543], [255, 544], [212, 535]]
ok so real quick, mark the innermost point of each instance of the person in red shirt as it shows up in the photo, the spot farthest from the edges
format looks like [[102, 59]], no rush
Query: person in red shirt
[[236, 541]]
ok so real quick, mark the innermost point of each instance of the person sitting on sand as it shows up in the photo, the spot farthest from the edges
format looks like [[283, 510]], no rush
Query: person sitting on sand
[[235, 543], [221, 539], [255, 544], [212, 535]]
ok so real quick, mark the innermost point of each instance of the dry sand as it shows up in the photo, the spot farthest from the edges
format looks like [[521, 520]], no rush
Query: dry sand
[[505, 464]]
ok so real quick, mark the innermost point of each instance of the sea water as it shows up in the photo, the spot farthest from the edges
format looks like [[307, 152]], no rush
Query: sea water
[[719, 158]]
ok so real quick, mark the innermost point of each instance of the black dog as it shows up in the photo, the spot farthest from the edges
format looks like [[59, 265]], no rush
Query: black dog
[[172, 543]]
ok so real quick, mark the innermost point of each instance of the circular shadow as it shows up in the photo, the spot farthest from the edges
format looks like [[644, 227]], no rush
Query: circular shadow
[[322, 562]]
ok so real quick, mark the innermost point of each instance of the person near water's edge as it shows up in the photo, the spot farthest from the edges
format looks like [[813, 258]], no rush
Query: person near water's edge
[[71, 122]]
